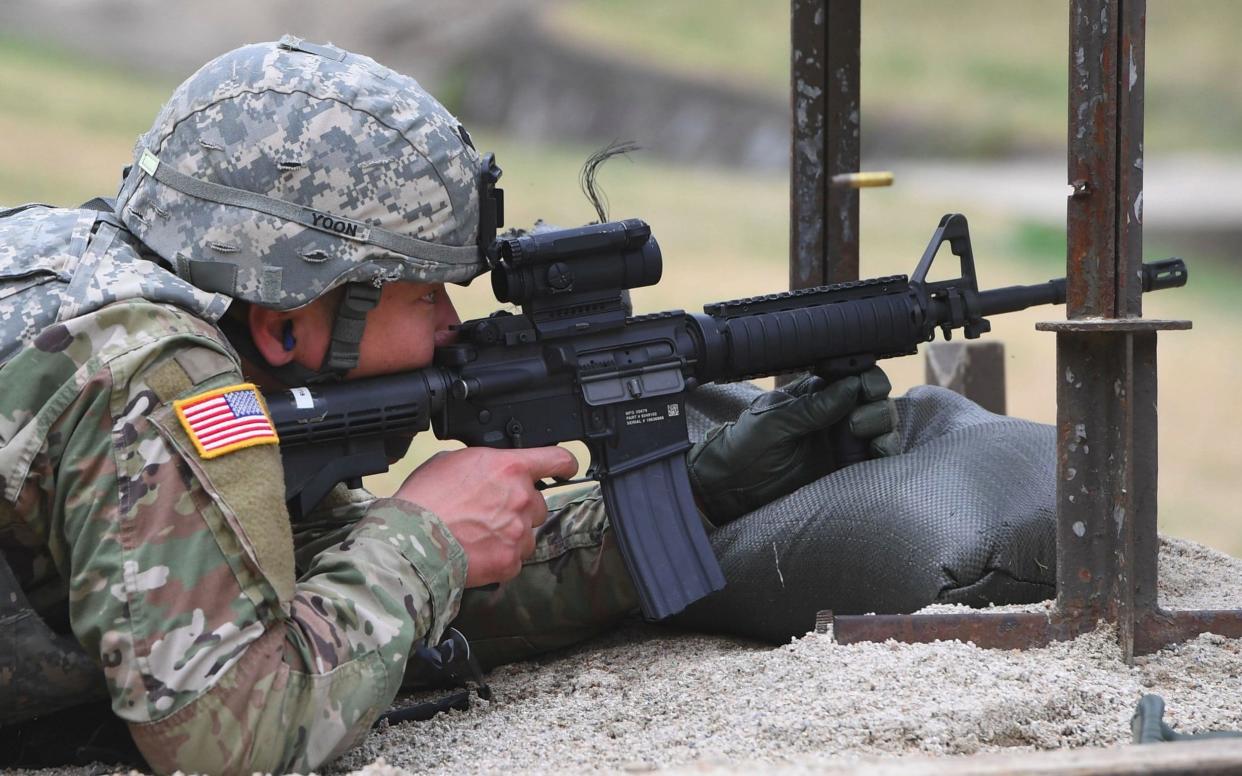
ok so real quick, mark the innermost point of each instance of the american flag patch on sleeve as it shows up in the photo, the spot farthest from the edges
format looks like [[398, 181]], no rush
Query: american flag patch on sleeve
[[226, 419]]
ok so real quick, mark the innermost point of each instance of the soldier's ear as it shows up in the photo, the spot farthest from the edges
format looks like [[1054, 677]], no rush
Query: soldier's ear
[[275, 333]]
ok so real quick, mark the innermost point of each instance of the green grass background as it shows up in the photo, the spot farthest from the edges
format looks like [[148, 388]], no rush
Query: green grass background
[[992, 71], [984, 76]]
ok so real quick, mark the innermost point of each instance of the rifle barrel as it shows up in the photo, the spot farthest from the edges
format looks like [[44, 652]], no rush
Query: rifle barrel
[[1157, 275], [1013, 298]]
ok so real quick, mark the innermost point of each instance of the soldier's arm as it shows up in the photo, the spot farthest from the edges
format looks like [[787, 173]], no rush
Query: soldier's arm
[[573, 586], [182, 581], [329, 523]]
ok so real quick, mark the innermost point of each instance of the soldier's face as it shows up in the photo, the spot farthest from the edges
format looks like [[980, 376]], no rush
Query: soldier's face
[[401, 333], [404, 329]]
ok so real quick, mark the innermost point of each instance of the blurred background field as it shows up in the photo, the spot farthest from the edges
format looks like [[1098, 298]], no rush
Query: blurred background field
[[964, 100]]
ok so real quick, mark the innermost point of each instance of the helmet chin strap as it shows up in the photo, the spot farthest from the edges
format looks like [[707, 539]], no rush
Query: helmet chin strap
[[351, 320], [343, 347]]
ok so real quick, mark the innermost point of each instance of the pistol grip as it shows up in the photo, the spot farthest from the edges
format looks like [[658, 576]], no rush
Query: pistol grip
[[846, 448]]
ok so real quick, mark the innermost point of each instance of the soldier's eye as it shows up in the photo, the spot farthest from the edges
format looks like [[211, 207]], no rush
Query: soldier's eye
[[430, 297]]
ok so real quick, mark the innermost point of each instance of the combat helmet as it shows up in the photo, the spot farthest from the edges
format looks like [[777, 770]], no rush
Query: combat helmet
[[280, 171]]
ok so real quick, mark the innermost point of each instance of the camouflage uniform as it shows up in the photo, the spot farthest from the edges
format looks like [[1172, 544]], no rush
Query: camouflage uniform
[[274, 174], [177, 571], [573, 586]]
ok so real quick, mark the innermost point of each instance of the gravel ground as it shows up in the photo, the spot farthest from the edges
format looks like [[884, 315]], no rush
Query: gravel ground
[[647, 698]]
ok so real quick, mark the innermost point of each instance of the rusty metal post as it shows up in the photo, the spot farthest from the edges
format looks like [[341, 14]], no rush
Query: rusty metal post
[[824, 99], [973, 368], [1106, 352], [1107, 544]]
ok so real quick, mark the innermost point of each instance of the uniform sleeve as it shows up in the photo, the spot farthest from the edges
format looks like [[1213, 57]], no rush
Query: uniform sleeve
[[182, 581], [329, 523], [574, 586]]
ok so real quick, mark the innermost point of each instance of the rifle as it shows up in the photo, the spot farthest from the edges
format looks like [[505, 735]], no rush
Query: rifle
[[575, 364]]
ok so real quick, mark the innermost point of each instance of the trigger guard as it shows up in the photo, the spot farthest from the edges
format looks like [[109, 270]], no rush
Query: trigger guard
[[560, 482]]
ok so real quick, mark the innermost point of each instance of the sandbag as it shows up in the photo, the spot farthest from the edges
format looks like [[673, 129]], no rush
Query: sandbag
[[965, 514]]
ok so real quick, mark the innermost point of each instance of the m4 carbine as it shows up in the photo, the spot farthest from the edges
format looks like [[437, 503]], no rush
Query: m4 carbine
[[574, 364]]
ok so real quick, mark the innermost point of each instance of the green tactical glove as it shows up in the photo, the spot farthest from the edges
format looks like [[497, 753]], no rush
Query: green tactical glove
[[783, 441]]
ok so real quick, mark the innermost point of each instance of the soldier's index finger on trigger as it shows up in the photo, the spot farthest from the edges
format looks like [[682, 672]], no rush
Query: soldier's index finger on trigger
[[549, 462]]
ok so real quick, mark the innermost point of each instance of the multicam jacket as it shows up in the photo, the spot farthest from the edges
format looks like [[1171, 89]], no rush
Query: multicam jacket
[[177, 570]]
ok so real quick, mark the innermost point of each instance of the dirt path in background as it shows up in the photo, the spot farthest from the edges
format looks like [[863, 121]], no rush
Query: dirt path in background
[[174, 37], [1180, 192]]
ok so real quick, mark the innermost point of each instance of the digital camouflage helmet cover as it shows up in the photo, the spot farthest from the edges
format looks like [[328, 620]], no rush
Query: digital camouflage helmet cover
[[280, 171]]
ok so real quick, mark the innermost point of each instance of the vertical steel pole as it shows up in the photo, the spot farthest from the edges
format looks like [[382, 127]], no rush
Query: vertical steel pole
[[1106, 454], [1141, 549], [824, 99], [1106, 381]]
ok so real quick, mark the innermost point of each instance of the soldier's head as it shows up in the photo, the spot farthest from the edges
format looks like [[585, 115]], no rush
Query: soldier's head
[[312, 185]]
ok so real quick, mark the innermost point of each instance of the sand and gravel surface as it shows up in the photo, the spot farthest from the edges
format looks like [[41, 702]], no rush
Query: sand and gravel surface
[[646, 698]]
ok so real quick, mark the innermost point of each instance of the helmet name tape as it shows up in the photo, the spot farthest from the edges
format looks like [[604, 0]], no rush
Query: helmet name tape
[[337, 225], [411, 247]]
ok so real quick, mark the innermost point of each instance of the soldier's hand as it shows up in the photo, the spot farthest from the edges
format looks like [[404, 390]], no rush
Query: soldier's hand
[[782, 441], [488, 501]]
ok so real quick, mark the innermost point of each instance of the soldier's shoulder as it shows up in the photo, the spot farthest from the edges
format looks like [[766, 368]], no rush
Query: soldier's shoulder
[[128, 329], [76, 275], [113, 351], [155, 319], [147, 337]]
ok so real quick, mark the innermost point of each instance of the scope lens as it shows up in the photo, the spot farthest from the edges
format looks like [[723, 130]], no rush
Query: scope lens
[[500, 283]]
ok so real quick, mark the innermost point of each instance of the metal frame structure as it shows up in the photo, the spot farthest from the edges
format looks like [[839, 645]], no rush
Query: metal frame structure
[[1107, 544], [824, 97]]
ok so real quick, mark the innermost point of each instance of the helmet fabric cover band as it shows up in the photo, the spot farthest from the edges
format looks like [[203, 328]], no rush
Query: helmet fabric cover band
[[283, 170]]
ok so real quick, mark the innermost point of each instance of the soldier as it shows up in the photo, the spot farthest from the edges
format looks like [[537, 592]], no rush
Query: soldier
[[292, 216]]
